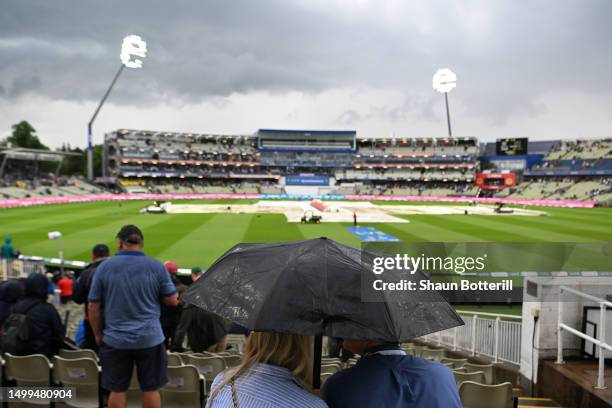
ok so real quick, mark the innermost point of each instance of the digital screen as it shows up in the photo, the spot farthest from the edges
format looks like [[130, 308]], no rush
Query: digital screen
[[494, 181], [511, 147]]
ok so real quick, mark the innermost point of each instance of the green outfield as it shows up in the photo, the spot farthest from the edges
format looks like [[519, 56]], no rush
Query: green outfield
[[198, 239]]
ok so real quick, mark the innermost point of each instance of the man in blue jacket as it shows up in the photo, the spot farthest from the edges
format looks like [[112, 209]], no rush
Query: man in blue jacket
[[386, 377]]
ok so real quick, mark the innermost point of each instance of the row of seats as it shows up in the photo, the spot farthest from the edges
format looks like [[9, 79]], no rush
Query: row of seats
[[563, 190], [476, 382], [189, 376]]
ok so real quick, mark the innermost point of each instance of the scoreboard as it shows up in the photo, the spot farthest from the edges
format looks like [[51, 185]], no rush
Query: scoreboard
[[511, 147], [495, 181]]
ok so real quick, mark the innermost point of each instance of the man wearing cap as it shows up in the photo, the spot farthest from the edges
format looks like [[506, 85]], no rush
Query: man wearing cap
[[99, 253], [128, 288]]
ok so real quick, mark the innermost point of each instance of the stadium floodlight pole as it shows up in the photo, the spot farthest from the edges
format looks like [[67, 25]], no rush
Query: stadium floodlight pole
[[444, 81], [450, 132], [91, 121], [132, 45]]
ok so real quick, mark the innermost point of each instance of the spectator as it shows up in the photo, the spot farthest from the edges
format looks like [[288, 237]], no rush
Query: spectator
[[235, 328], [170, 315], [45, 330], [335, 349], [275, 372], [99, 253], [65, 285], [172, 269], [51, 287], [129, 286], [10, 293], [7, 253], [205, 331], [385, 376]]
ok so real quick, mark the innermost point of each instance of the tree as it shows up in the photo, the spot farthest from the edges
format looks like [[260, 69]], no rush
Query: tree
[[73, 165], [24, 135]]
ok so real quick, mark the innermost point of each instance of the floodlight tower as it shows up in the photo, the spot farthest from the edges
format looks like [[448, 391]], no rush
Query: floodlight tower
[[444, 81], [132, 46]]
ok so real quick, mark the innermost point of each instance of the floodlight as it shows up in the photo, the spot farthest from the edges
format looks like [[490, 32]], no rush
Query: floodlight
[[133, 45], [444, 80]]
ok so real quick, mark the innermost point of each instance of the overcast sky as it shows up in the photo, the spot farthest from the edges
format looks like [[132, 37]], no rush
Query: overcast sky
[[539, 68]]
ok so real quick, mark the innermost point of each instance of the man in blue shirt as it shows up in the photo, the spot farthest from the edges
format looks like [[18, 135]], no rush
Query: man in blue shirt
[[128, 288], [385, 376]]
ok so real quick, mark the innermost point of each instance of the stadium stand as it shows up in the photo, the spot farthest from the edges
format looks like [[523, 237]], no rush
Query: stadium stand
[[272, 160], [301, 162], [578, 170], [13, 187]]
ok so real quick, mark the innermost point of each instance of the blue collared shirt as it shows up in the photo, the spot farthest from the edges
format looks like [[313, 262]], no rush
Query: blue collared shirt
[[130, 286], [265, 386], [392, 381]]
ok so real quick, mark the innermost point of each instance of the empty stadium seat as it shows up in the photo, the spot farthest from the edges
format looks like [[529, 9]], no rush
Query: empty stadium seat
[[83, 374], [475, 376], [351, 362], [487, 369], [325, 376], [432, 354], [417, 350], [474, 395], [174, 360], [83, 353], [330, 368], [456, 362], [29, 371], [209, 367], [185, 388]]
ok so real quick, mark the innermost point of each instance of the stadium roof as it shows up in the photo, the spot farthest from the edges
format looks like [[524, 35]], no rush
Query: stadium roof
[[34, 154], [20, 153], [312, 132]]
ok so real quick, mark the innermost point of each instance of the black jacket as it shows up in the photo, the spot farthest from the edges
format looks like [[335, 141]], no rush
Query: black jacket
[[170, 315], [203, 329], [83, 284], [10, 293], [45, 329]]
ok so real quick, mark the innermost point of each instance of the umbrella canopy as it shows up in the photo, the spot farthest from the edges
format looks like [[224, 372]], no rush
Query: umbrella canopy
[[316, 287]]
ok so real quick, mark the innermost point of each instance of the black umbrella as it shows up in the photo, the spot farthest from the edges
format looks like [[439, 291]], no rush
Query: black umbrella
[[317, 287]]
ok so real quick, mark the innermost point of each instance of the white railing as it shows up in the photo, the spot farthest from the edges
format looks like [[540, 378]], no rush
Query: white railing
[[600, 342], [497, 336], [19, 268]]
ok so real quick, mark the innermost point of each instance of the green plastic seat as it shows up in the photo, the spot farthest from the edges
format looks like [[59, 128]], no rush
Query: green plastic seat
[[83, 374], [474, 395]]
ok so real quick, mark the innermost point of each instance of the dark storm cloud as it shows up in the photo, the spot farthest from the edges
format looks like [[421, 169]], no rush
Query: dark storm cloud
[[505, 57]]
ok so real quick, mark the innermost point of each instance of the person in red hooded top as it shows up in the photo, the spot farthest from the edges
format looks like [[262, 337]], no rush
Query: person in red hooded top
[[65, 285]]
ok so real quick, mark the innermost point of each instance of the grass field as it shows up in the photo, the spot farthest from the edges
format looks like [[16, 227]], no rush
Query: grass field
[[198, 239]]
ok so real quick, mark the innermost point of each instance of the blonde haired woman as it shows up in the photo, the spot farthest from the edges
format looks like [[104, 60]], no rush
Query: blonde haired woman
[[275, 372]]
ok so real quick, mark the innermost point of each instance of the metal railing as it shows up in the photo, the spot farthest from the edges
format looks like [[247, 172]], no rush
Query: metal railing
[[600, 342], [497, 336], [19, 268]]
